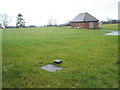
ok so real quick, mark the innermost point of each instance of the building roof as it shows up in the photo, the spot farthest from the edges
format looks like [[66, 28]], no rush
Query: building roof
[[82, 17]]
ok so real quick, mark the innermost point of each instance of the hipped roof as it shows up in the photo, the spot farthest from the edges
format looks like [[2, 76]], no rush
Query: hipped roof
[[82, 17]]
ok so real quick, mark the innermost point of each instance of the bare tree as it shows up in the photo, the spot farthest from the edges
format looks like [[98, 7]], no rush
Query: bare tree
[[55, 22], [5, 20], [50, 22], [67, 23]]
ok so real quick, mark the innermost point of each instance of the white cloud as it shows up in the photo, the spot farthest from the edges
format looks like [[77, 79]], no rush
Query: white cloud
[[38, 12]]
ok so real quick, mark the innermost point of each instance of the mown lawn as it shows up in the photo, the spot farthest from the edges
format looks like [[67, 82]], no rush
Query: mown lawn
[[109, 27], [89, 58]]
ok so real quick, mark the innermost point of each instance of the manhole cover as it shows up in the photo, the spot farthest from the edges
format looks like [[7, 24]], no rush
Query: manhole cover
[[51, 68]]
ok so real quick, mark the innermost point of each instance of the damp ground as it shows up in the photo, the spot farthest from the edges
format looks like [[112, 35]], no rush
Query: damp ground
[[112, 32]]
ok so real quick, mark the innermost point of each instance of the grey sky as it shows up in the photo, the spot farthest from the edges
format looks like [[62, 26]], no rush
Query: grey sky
[[38, 12]]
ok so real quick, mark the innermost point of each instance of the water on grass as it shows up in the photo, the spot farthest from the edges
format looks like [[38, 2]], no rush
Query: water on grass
[[51, 68], [112, 32]]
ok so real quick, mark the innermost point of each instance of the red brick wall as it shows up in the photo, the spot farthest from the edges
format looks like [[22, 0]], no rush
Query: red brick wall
[[80, 25], [95, 25], [86, 25], [83, 25]]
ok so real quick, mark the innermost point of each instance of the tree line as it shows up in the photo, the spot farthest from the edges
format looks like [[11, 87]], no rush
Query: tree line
[[20, 22], [5, 20], [110, 21]]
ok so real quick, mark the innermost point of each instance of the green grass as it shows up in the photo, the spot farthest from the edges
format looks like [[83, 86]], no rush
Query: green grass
[[109, 27], [89, 58]]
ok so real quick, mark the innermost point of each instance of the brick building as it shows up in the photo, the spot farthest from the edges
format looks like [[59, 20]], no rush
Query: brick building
[[84, 20]]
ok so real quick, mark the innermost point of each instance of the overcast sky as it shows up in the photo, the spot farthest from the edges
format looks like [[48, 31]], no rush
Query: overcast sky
[[38, 12]]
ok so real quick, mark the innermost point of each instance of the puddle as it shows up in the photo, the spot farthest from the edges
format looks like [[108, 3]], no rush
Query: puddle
[[112, 32], [51, 68]]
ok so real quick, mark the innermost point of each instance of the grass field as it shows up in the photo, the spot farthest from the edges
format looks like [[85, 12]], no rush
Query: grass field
[[110, 27], [89, 58]]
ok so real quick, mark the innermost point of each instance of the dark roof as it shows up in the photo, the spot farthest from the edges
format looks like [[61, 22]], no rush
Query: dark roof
[[82, 17]]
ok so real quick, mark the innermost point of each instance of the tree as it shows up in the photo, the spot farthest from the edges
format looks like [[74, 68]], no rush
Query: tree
[[20, 21], [109, 20], [68, 23], [55, 22], [50, 22], [4, 20]]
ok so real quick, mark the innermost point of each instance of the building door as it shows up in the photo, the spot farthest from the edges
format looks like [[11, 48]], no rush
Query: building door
[[91, 25]]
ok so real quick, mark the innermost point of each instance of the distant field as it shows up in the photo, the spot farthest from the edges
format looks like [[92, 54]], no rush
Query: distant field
[[89, 58], [110, 27]]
